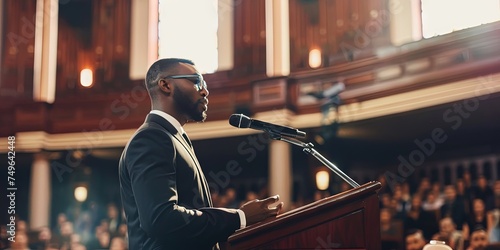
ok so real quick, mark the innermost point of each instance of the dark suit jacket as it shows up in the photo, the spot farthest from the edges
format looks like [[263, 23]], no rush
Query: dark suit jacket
[[456, 211], [165, 194]]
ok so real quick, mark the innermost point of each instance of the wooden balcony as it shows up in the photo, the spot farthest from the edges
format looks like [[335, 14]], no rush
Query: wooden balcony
[[449, 58]]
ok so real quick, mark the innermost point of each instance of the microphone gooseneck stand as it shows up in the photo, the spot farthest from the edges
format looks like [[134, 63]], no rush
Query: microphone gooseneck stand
[[308, 148]]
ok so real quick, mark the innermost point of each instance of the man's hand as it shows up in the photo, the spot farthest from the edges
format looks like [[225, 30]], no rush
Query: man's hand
[[258, 210]]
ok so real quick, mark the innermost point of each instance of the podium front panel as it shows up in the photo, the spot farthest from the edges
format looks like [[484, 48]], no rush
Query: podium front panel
[[349, 220]]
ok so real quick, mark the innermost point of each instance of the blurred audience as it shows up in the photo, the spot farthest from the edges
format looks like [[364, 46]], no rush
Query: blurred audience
[[454, 214], [465, 216]]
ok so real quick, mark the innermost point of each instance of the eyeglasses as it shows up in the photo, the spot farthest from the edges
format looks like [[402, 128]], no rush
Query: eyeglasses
[[197, 79]]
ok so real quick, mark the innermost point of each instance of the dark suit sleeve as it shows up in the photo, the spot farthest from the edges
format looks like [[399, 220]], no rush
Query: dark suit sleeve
[[150, 163]]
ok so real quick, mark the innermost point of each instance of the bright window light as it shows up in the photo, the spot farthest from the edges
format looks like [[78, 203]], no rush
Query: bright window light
[[445, 16], [188, 29]]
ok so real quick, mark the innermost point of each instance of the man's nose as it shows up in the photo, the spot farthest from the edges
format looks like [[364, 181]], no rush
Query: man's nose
[[204, 92]]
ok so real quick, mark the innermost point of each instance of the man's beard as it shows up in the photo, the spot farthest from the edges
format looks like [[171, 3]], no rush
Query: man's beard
[[184, 104]]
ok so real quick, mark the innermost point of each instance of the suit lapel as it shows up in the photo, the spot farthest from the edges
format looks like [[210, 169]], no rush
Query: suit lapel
[[173, 131]]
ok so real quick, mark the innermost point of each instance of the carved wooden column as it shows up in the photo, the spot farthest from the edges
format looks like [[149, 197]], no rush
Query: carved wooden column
[[280, 171], [40, 192]]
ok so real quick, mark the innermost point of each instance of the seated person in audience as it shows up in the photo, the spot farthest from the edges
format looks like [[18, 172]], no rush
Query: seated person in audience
[[4, 237], [387, 225], [66, 232], [44, 239], [478, 239], [399, 204], [385, 200], [494, 225], [493, 215], [415, 240], [385, 189], [56, 231], [118, 243], [465, 193], [467, 177], [104, 239], [436, 189], [21, 241], [78, 246], [482, 190], [454, 207], [424, 186], [391, 230], [432, 202], [417, 218], [494, 200], [476, 219], [449, 234], [406, 191]]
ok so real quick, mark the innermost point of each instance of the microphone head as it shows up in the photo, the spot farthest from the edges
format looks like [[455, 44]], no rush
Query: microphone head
[[240, 121], [334, 90]]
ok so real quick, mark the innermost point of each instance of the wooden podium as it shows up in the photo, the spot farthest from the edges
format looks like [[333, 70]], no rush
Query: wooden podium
[[349, 220]]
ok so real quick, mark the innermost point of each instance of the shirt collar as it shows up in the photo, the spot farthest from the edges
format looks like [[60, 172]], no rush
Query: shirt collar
[[170, 119]]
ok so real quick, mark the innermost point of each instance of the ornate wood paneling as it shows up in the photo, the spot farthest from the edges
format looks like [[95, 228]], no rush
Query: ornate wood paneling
[[101, 44], [249, 37], [341, 221], [18, 36], [70, 61], [449, 58], [344, 30]]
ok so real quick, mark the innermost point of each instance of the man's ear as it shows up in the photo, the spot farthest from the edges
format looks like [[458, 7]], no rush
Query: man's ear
[[165, 86]]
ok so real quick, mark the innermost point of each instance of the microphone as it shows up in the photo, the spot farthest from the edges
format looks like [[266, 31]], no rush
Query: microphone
[[243, 121], [330, 92], [334, 90]]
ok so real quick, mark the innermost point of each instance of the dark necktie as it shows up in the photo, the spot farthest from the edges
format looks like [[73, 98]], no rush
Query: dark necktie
[[205, 184], [187, 139]]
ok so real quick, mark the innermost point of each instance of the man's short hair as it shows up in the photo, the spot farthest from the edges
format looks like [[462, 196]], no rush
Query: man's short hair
[[162, 66], [477, 228], [415, 231]]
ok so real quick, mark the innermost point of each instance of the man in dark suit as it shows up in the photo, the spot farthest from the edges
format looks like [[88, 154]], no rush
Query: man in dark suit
[[163, 189], [454, 207]]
